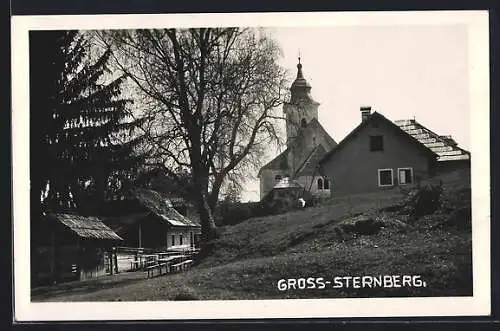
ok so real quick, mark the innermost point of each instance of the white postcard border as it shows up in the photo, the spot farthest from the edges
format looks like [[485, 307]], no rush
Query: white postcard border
[[478, 304]]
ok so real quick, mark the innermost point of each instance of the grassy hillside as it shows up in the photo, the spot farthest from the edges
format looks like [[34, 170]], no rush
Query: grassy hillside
[[371, 234]]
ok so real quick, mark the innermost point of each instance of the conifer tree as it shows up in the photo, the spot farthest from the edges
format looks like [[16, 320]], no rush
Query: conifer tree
[[80, 150]]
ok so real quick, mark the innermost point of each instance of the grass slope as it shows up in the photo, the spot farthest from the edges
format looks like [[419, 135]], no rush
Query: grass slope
[[249, 258]]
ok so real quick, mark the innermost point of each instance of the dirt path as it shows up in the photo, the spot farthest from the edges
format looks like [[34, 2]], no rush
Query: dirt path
[[55, 292]]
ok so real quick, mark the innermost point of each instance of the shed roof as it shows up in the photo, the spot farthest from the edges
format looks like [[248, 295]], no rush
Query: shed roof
[[162, 207], [85, 226]]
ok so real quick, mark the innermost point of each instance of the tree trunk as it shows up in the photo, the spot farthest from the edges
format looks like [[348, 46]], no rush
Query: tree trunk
[[208, 227]]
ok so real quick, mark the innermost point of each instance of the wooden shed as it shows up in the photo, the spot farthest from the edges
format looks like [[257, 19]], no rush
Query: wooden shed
[[72, 247], [147, 219]]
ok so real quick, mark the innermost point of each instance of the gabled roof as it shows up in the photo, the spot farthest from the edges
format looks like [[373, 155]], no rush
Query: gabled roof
[[85, 227], [444, 146], [378, 117], [310, 164], [314, 123], [162, 208], [280, 162]]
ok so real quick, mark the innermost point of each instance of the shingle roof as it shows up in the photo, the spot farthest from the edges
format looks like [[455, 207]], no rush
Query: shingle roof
[[162, 207], [444, 146], [85, 227]]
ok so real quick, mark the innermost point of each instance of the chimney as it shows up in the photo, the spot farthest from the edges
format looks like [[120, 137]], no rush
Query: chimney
[[365, 112]]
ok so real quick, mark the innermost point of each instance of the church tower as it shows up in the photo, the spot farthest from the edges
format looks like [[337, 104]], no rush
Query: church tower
[[301, 108]]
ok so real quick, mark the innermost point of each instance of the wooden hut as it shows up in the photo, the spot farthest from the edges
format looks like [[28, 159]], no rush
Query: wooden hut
[[146, 219], [72, 247]]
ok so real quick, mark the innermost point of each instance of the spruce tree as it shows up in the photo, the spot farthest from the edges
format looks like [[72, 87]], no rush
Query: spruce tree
[[77, 116]]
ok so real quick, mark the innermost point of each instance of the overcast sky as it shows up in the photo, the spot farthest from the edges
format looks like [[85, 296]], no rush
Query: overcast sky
[[401, 71]]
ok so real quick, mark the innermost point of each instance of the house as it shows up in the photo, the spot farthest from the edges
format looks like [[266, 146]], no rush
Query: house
[[71, 247], [307, 142], [146, 219], [380, 154]]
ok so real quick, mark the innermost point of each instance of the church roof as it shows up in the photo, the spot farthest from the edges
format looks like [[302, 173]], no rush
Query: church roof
[[300, 87], [315, 124], [444, 146], [310, 164], [280, 162]]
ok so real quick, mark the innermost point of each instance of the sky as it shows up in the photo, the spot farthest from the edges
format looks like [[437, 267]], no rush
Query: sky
[[402, 72]]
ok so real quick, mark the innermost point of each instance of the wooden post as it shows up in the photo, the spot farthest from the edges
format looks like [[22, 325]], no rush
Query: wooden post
[[53, 255], [116, 259], [140, 234], [110, 253], [78, 262]]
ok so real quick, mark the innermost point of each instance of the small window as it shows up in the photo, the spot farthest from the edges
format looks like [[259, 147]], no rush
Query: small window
[[277, 177], [326, 184], [303, 123], [180, 239], [376, 143], [385, 177], [320, 183], [405, 176], [173, 240]]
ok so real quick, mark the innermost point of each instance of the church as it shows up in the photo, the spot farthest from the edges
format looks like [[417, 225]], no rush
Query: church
[[378, 154], [307, 142]]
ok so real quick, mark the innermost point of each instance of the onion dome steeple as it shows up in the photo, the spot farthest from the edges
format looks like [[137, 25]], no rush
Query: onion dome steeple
[[300, 88]]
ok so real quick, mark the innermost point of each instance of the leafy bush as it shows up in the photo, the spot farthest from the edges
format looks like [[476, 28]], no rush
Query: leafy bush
[[424, 200]]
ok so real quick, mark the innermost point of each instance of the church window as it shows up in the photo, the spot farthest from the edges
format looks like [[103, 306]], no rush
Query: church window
[[277, 177], [326, 184], [303, 123], [376, 143], [320, 183]]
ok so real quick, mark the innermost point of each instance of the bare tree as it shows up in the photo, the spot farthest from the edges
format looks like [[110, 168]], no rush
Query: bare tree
[[209, 98]]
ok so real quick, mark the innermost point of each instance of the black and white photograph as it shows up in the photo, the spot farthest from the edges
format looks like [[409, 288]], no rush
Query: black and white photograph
[[251, 165]]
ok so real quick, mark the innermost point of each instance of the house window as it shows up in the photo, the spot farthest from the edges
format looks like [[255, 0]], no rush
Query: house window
[[173, 240], [180, 239], [376, 143], [385, 177], [303, 123], [277, 177], [326, 184], [320, 183], [405, 176]]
